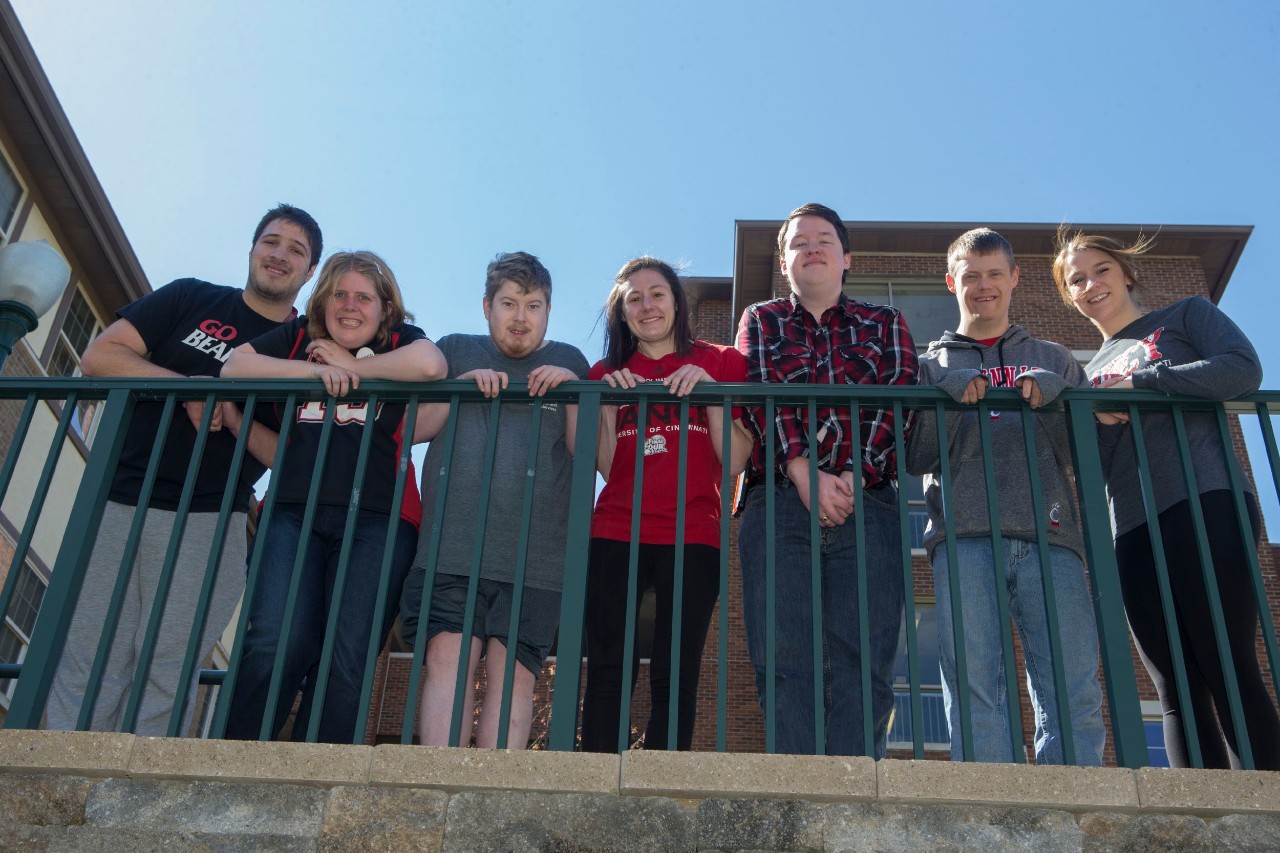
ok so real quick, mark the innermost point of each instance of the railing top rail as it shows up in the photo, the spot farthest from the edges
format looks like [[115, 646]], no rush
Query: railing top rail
[[743, 393]]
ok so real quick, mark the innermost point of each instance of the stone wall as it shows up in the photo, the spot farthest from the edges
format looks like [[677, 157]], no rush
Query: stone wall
[[89, 791]]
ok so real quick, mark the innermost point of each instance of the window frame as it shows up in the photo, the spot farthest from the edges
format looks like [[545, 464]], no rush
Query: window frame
[[10, 626], [7, 228], [853, 282]]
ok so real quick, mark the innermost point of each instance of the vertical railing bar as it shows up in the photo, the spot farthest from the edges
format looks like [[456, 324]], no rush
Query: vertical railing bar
[[815, 584], [677, 595], [1172, 632], [49, 635], [11, 458], [112, 620], [961, 695], [223, 709], [908, 585], [1013, 704], [16, 442], [1259, 591], [565, 698], [38, 496], [473, 584], [770, 580], [192, 657], [325, 664], [726, 515], [146, 653], [436, 531], [869, 724], [295, 579], [404, 464], [633, 583], [517, 583], [1049, 589], [1243, 746], [1113, 627]]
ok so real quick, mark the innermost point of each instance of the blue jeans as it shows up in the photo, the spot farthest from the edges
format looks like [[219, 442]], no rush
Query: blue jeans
[[311, 613], [843, 682], [982, 638]]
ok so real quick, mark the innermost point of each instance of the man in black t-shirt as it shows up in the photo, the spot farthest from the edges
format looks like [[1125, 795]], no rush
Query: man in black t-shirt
[[186, 328]]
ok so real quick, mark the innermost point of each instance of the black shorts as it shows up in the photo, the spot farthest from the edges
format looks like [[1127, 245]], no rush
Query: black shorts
[[539, 616]]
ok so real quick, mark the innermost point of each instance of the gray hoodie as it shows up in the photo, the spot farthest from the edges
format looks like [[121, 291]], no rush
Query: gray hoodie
[[951, 364], [1191, 348]]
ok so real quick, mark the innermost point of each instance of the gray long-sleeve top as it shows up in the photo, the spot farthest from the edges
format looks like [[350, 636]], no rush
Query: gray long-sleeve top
[[1190, 348], [951, 364]]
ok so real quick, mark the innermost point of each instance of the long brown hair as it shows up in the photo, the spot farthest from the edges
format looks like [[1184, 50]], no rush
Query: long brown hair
[[619, 343], [1126, 257]]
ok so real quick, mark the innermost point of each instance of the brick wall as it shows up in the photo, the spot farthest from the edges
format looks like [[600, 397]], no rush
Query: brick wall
[[1037, 307]]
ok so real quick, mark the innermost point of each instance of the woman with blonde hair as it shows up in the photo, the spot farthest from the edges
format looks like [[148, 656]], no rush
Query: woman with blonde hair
[[355, 328], [1188, 348]]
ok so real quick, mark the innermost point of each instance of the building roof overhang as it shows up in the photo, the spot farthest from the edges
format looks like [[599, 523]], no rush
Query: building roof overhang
[[73, 198], [1217, 247]]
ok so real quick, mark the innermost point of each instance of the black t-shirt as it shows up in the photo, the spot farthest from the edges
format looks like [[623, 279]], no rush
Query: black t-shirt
[[191, 327], [290, 341]]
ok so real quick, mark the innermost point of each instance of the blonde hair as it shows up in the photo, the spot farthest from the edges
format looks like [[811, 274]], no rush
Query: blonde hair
[[371, 267]]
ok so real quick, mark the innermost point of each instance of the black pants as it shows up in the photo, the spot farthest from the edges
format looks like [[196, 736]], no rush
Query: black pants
[[1206, 686], [605, 630]]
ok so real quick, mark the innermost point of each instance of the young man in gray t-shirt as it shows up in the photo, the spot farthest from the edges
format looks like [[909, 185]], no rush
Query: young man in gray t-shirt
[[517, 303]]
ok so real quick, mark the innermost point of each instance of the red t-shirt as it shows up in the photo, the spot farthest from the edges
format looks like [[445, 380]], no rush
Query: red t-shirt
[[612, 518]]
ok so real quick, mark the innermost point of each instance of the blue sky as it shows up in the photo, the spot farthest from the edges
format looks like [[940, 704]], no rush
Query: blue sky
[[588, 132]]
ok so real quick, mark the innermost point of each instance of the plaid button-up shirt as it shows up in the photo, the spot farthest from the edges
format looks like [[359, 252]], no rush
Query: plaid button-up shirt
[[852, 343]]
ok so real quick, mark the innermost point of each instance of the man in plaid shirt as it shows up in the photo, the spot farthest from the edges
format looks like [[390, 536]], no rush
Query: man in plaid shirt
[[820, 336]]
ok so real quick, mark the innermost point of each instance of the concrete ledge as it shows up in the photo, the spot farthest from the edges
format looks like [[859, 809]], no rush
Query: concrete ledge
[[90, 753], [494, 769], [747, 775], [249, 761], [1007, 784], [1209, 791]]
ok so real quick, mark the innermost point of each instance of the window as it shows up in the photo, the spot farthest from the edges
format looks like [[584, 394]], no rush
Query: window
[[79, 328], [912, 489], [10, 198], [1157, 755], [928, 306], [935, 733], [15, 633]]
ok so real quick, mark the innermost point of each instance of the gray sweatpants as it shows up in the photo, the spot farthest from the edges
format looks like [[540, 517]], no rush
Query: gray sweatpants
[[71, 679]]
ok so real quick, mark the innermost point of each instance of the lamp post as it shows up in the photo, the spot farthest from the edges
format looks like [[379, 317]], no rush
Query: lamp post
[[32, 278]]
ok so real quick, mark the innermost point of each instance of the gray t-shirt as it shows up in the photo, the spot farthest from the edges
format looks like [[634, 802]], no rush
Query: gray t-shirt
[[544, 568], [1191, 348]]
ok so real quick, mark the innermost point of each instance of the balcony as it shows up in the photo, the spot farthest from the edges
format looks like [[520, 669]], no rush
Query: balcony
[[729, 718]]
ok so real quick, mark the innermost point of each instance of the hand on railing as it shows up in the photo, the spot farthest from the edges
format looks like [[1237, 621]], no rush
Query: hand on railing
[[195, 412], [1109, 418]]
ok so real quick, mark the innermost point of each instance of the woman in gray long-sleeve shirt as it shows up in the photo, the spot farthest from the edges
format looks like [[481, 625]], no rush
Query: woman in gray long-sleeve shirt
[[1187, 348]]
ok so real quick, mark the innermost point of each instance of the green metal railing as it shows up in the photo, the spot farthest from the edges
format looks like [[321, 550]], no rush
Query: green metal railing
[[35, 674]]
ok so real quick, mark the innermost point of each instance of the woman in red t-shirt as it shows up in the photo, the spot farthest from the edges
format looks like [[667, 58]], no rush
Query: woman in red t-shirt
[[647, 339]]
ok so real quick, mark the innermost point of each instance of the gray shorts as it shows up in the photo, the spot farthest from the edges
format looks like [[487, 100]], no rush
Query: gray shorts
[[539, 616]]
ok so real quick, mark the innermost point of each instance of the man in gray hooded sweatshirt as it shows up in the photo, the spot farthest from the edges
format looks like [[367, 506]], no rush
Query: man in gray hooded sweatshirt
[[986, 351]]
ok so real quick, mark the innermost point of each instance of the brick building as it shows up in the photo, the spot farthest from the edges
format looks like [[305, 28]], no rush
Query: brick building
[[904, 264], [48, 191]]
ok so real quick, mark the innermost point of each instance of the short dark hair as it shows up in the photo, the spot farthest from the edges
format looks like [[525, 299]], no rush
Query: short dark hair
[[979, 241], [298, 217], [619, 343], [819, 210], [522, 268]]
